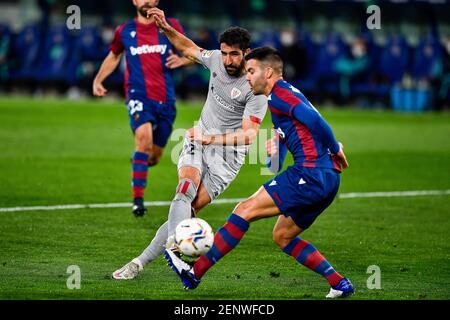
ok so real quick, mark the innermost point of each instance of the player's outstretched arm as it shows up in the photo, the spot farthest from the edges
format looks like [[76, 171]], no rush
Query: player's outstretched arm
[[244, 136], [108, 66], [183, 44]]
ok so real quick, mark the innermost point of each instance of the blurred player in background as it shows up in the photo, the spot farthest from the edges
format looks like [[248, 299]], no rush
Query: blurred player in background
[[149, 89], [298, 195], [231, 111]]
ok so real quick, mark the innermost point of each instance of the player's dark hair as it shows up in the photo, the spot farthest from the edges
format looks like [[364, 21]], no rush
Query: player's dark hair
[[236, 36], [268, 56]]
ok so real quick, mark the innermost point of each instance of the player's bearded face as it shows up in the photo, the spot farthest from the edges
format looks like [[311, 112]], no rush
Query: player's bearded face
[[143, 6], [233, 59], [235, 69]]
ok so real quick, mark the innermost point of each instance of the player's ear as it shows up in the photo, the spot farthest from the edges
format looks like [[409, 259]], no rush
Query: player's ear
[[269, 72], [247, 51]]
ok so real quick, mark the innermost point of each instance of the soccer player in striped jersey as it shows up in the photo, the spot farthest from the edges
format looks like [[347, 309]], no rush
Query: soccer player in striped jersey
[[299, 194], [149, 89]]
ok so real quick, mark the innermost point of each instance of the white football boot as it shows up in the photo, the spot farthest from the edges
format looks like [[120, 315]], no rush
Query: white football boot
[[129, 271]]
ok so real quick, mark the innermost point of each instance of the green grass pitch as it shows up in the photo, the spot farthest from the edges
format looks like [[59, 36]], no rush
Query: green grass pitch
[[60, 152]]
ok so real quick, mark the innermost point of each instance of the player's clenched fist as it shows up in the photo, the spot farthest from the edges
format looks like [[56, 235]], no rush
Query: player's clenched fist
[[159, 16], [341, 156], [98, 89]]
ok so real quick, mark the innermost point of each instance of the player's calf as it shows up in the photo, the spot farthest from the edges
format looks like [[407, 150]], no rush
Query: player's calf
[[280, 238], [284, 231], [140, 159], [139, 181], [225, 240]]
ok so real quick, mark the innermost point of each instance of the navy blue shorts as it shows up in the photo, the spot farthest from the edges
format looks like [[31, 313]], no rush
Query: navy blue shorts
[[303, 193], [161, 115]]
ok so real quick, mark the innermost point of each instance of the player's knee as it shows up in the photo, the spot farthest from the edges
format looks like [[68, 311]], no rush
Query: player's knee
[[143, 145], [186, 190], [144, 142], [246, 209]]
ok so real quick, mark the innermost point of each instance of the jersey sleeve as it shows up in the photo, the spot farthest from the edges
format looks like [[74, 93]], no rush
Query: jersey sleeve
[[209, 58], [255, 108], [117, 46], [311, 118]]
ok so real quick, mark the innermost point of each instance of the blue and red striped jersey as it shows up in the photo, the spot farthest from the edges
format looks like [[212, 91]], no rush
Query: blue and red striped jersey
[[146, 51], [301, 128]]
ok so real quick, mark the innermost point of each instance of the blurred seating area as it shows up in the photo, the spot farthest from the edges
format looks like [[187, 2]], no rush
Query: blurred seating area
[[329, 52]]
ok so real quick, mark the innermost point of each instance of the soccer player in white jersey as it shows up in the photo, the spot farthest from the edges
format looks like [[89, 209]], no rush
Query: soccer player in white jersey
[[232, 113]]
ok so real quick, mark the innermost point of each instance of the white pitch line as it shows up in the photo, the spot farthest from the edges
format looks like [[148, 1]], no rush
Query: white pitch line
[[394, 194], [352, 195]]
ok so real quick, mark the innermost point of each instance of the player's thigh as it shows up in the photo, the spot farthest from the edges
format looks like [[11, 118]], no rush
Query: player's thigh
[[143, 137], [285, 230], [221, 168], [190, 164], [163, 130], [260, 205], [202, 199]]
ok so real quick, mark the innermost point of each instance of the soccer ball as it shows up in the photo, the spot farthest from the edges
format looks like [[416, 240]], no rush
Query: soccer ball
[[194, 237]]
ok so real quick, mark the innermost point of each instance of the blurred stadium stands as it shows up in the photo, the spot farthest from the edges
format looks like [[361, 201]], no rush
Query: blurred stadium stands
[[330, 54]]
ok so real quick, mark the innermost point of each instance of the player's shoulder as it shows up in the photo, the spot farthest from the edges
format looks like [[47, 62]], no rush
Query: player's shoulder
[[209, 53], [124, 25], [211, 60], [291, 91], [282, 87], [275, 101], [284, 93]]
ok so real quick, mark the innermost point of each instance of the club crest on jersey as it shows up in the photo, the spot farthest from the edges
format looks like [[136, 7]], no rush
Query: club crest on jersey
[[235, 93], [133, 34]]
